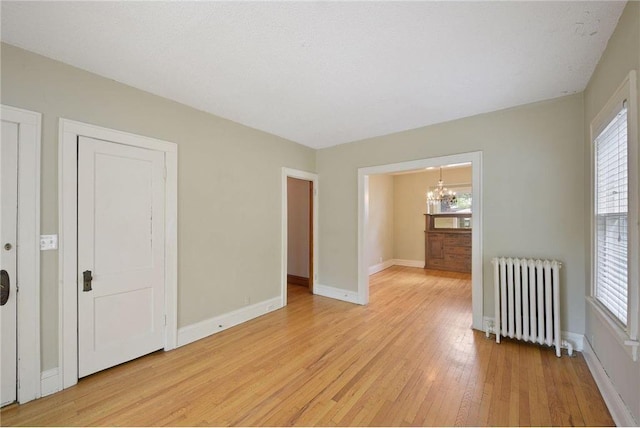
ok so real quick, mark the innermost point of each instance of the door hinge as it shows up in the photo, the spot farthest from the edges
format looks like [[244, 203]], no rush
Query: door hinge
[[165, 320]]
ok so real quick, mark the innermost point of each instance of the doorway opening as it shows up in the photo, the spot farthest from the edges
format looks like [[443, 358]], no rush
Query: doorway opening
[[365, 252], [299, 230]]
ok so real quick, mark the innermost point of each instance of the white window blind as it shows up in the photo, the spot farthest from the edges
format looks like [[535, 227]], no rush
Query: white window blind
[[612, 233]]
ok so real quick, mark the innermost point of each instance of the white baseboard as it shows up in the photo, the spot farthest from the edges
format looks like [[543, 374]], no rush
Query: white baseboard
[[395, 262], [576, 340], [205, 328], [619, 411], [381, 266], [49, 382], [409, 263], [336, 293]]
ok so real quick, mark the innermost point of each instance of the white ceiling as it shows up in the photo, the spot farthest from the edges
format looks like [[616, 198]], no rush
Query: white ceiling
[[326, 73]]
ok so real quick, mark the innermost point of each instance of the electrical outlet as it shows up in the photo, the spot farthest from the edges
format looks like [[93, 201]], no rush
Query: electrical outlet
[[48, 242], [247, 300]]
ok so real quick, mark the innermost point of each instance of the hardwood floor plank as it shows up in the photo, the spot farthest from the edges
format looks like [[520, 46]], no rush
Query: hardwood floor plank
[[407, 358]]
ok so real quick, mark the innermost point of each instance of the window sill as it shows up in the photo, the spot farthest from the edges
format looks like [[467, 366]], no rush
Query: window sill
[[630, 346]]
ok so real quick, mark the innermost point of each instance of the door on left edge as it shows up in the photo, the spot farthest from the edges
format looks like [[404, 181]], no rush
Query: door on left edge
[[8, 260]]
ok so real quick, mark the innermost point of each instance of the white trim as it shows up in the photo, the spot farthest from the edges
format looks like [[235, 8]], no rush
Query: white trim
[[214, 325], [28, 247], [50, 382], [619, 411], [312, 177], [337, 293], [629, 346], [381, 266], [395, 262], [476, 234], [409, 263], [626, 91], [69, 131]]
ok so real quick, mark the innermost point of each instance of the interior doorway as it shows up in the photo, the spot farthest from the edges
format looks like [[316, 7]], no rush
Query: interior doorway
[[413, 212], [77, 277], [364, 257], [299, 230]]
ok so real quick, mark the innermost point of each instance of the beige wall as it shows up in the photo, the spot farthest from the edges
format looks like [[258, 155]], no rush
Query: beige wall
[[229, 185], [410, 206], [298, 227], [533, 191], [621, 55], [380, 244]]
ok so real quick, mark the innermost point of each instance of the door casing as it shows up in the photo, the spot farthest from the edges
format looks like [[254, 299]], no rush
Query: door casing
[[475, 158], [28, 248], [68, 299]]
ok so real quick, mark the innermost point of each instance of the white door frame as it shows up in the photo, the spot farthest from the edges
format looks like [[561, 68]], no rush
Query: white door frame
[[28, 247], [308, 176], [69, 131], [476, 233]]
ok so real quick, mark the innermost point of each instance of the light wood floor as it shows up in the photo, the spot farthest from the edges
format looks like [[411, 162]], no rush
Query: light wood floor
[[408, 358]]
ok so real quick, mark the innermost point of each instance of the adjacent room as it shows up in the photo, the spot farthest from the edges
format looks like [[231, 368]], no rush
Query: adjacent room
[[320, 213]]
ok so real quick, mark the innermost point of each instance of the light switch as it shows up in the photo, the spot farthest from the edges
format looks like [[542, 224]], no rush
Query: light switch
[[48, 242]]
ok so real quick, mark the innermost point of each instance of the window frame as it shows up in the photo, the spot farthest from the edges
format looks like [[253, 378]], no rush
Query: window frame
[[626, 91]]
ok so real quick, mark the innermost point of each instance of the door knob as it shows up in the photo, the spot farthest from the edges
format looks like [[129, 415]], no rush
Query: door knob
[[86, 280], [8, 246], [4, 287]]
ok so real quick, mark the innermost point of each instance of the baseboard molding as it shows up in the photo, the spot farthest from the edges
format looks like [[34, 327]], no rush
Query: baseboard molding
[[395, 262], [49, 382], [381, 266], [336, 293], [298, 280], [575, 339], [409, 263], [619, 411], [214, 325]]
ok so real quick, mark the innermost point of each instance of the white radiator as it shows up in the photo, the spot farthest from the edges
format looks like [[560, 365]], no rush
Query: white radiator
[[527, 301]]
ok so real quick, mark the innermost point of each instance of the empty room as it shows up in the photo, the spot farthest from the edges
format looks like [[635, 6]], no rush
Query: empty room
[[320, 213]]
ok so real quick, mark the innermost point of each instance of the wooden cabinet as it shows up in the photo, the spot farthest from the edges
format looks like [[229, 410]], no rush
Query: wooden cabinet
[[448, 247]]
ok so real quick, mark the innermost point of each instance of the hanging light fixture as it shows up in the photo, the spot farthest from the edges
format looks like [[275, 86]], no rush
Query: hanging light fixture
[[440, 194]]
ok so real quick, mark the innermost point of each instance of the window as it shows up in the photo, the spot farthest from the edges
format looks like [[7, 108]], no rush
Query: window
[[612, 233], [615, 237]]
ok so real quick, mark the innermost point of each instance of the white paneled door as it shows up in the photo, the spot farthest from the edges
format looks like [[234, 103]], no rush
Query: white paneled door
[[121, 260], [8, 235]]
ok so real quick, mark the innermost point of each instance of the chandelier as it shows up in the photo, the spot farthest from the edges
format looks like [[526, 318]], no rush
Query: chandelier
[[441, 193]]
